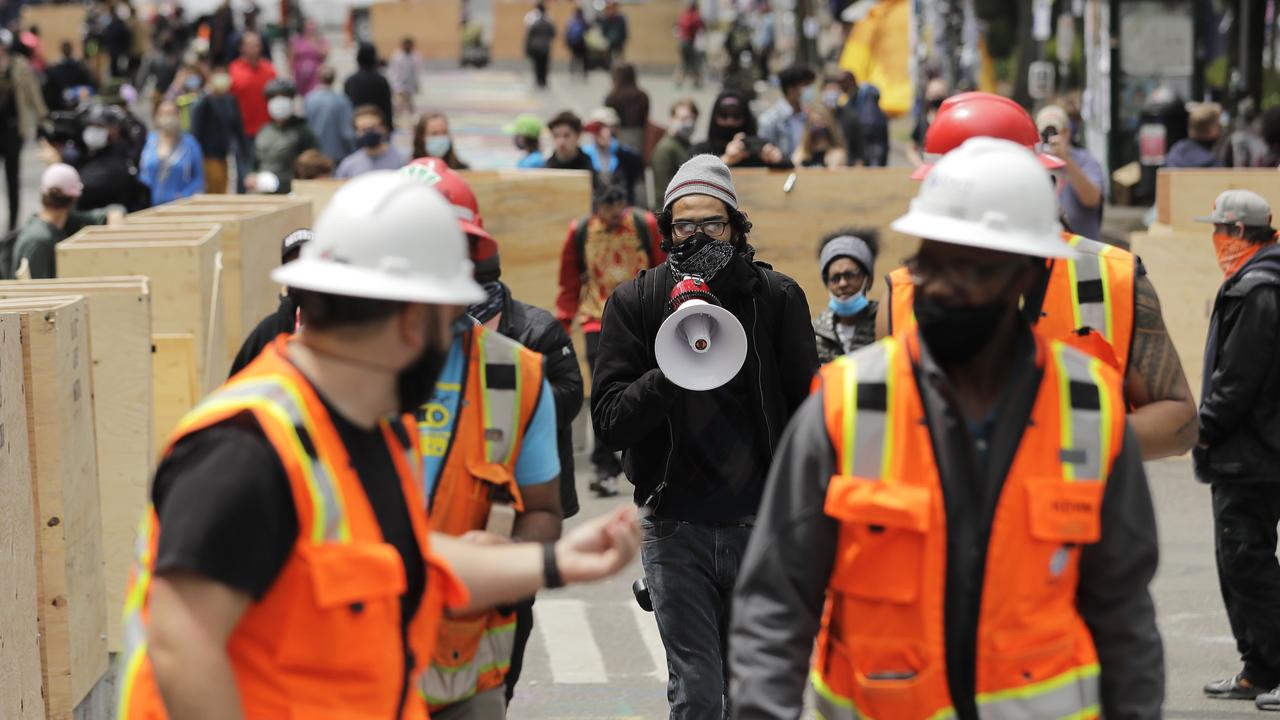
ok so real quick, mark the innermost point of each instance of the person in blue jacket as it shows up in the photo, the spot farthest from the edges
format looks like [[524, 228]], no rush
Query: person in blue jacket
[[172, 164]]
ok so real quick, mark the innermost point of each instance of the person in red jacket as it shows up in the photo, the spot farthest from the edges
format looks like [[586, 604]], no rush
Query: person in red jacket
[[250, 74], [602, 251]]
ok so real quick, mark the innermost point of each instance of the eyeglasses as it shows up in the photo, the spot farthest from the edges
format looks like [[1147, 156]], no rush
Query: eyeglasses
[[853, 277], [686, 228], [958, 275]]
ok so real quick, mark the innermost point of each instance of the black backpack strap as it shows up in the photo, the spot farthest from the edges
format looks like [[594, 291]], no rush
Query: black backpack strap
[[580, 242]]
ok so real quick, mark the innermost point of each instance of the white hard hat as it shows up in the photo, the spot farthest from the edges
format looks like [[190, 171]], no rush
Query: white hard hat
[[386, 236], [988, 193]]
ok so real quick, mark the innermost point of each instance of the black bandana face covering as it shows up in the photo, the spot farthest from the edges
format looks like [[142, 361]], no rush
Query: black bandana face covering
[[415, 383], [701, 256]]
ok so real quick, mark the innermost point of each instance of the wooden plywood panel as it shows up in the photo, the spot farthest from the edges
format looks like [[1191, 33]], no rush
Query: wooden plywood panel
[[316, 192], [1185, 273], [250, 240], [509, 28], [182, 277], [528, 212], [787, 226], [57, 23], [1183, 194], [20, 682], [120, 349], [435, 25], [175, 385], [651, 40], [72, 610]]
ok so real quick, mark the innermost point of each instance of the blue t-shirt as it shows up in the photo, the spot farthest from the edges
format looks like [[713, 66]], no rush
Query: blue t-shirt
[[539, 459], [532, 160], [1085, 221]]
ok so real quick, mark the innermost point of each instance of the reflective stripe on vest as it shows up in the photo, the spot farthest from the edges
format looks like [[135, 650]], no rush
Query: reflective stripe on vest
[[442, 686], [829, 705], [868, 384], [1073, 695], [135, 629], [1090, 288], [500, 386], [1086, 419]]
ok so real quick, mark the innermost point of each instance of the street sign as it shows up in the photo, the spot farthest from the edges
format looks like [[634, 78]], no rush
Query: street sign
[[1040, 80]]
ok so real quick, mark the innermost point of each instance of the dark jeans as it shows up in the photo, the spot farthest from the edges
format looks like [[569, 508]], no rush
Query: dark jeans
[[540, 65], [602, 458], [1245, 517], [691, 570], [578, 63], [524, 628]]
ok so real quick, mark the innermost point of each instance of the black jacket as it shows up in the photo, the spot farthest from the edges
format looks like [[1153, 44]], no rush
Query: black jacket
[[704, 455], [1240, 405], [283, 321], [539, 331]]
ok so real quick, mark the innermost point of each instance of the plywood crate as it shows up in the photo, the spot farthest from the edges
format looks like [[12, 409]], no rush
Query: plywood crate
[[509, 28], [182, 272], [72, 613], [120, 348], [57, 23], [317, 192], [176, 387], [435, 25], [1183, 194], [1184, 271], [20, 694], [251, 236]]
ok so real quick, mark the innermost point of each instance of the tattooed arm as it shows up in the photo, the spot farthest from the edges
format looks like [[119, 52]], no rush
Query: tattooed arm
[[1164, 415]]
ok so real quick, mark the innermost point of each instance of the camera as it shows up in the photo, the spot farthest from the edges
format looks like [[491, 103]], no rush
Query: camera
[[641, 591], [63, 129]]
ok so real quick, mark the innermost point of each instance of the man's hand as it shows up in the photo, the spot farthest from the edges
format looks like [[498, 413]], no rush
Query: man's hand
[[736, 151], [1059, 146], [600, 548], [1164, 414], [772, 155]]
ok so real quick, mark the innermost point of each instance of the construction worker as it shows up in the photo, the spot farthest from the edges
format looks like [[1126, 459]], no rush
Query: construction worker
[[958, 512], [1101, 301], [285, 567], [491, 469]]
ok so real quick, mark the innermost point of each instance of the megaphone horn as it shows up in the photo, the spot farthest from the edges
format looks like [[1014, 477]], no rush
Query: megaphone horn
[[701, 345]]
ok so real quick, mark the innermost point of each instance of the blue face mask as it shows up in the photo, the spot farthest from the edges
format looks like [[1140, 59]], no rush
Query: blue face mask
[[848, 307]]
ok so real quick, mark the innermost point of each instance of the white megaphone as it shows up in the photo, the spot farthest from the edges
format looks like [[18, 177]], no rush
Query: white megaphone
[[701, 346]]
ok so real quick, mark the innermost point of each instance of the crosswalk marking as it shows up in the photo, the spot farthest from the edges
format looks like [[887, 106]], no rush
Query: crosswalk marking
[[648, 627], [567, 637]]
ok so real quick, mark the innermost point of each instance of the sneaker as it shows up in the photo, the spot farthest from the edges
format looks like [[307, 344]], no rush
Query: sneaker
[[605, 487], [1268, 701], [1234, 688]]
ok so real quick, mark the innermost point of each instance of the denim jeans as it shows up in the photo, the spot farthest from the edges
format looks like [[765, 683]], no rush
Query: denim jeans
[[691, 570]]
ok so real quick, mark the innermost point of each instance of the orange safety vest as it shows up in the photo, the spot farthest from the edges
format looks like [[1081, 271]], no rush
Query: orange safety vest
[[1089, 303], [881, 649], [325, 641], [500, 393]]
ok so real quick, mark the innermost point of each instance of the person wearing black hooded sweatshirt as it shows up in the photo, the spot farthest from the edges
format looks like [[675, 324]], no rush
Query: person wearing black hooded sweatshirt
[[367, 86], [732, 136], [698, 460]]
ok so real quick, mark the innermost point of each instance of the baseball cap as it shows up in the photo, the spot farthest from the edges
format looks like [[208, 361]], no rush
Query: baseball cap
[[600, 117], [1052, 116], [293, 242], [63, 178], [525, 125], [1239, 206]]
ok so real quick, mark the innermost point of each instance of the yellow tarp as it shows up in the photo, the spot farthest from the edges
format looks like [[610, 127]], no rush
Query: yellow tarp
[[878, 52]]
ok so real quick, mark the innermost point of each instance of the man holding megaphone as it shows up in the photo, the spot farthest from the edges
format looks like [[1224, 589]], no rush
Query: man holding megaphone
[[702, 361]]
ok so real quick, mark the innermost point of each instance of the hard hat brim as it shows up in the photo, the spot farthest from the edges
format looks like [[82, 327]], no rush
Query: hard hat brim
[[469, 227], [335, 278], [938, 228], [1050, 162]]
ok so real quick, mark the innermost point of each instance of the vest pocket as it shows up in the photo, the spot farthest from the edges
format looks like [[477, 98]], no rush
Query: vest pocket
[[1065, 512], [880, 555], [352, 627]]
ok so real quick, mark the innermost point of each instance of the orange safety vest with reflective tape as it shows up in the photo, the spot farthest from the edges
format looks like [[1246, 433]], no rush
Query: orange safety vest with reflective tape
[[881, 649], [325, 641], [1089, 303], [500, 393]]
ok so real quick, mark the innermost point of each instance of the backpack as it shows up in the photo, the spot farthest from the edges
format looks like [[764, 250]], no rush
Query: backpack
[[6, 254], [638, 217], [875, 124], [541, 34], [576, 33]]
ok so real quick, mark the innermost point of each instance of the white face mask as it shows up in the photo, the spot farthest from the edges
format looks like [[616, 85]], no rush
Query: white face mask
[[438, 145], [280, 108], [95, 137]]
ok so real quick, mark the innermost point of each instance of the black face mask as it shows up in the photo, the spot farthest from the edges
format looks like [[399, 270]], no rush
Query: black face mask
[[700, 255], [955, 333], [415, 384]]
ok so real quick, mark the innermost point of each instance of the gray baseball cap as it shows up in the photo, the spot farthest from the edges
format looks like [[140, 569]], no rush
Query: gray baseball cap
[[1239, 206]]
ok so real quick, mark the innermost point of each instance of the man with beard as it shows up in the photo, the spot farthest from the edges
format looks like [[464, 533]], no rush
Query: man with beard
[[698, 459], [732, 136]]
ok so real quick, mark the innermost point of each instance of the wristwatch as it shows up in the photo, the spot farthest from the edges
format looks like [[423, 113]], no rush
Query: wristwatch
[[550, 571]]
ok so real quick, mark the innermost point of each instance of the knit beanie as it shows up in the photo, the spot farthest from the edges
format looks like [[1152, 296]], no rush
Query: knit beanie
[[852, 247], [702, 175]]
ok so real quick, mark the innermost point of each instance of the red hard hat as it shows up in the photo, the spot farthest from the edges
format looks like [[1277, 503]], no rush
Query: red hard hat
[[450, 184], [484, 249], [980, 114]]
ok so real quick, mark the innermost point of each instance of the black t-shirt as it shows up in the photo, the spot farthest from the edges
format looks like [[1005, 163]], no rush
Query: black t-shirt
[[227, 512], [283, 320]]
